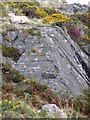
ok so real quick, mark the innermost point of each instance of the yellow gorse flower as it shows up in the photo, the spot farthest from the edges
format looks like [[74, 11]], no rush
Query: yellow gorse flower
[[14, 107], [27, 107], [24, 81], [55, 18], [41, 12], [86, 37], [6, 101], [17, 106], [86, 27], [19, 101], [9, 102], [33, 110], [0, 115], [0, 102]]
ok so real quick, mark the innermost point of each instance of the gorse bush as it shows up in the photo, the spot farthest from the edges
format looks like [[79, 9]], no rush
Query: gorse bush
[[34, 12], [40, 13], [56, 18]]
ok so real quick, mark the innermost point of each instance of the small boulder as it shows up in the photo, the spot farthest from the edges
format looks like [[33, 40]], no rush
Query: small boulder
[[52, 109]]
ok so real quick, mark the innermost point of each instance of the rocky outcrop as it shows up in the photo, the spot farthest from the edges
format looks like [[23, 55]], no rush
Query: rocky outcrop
[[72, 8], [54, 59]]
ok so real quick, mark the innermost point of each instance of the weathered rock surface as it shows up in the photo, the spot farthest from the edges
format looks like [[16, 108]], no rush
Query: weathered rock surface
[[52, 109], [72, 8], [58, 66], [87, 49]]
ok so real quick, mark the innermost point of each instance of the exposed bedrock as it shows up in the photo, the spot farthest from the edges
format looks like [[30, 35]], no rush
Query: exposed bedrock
[[54, 59]]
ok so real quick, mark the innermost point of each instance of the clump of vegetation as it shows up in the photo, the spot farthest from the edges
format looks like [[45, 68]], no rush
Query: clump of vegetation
[[82, 103], [33, 95], [37, 50], [16, 109], [25, 4], [3, 12], [32, 31], [55, 19], [85, 18], [6, 27], [41, 13], [9, 73], [86, 38], [11, 52], [50, 11], [34, 12], [74, 30]]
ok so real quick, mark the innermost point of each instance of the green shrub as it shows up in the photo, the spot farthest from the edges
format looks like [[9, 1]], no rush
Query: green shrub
[[43, 87], [9, 73], [11, 52]]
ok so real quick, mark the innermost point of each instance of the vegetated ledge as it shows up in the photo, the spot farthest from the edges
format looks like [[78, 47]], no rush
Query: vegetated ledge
[[11, 52], [10, 73]]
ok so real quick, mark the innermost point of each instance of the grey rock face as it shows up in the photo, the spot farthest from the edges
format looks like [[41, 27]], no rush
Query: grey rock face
[[58, 66], [53, 109], [13, 35], [46, 75]]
